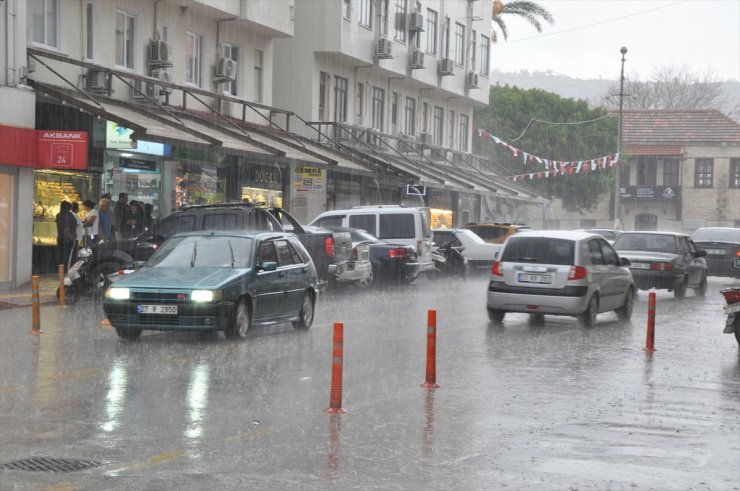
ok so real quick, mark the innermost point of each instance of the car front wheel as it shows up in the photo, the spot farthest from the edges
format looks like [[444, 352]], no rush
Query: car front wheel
[[305, 316], [239, 325]]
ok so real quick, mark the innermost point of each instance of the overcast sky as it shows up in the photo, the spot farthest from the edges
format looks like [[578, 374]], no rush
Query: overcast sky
[[585, 39]]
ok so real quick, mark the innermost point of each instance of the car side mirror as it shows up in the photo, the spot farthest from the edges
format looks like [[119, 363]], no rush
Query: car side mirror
[[267, 266], [701, 253], [623, 261]]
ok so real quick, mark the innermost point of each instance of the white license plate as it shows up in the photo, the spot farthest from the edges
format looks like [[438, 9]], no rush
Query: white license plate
[[715, 252], [640, 266], [534, 278], [157, 309], [732, 308]]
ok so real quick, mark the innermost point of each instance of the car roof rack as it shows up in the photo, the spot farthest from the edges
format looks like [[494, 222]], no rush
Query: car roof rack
[[233, 204]]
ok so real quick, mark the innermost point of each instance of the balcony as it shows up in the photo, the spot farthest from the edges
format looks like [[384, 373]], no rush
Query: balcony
[[640, 194]]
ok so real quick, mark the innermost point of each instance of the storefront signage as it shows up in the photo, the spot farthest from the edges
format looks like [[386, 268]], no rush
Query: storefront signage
[[261, 175], [650, 193], [138, 164], [117, 136], [307, 179], [43, 149]]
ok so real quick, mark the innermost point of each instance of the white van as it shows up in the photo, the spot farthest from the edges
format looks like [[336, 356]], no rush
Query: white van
[[396, 224]]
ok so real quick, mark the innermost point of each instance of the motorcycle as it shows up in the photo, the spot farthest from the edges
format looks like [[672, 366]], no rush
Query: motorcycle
[[732, 309], [77, 280], [449, 260]]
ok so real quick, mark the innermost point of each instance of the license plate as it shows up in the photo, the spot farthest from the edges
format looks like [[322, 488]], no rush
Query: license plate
[[640, 266], [715, 252], [732, 308], [534, 278], [157, 309]]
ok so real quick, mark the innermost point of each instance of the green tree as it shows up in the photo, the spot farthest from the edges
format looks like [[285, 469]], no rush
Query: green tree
[[529, 11], [508, 116]]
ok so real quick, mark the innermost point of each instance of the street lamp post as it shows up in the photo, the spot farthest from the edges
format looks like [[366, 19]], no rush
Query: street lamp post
[[617, 197]]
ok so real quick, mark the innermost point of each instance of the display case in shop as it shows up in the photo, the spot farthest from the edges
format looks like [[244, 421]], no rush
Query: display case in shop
[[51, 188], [258, 195], [199, 184]]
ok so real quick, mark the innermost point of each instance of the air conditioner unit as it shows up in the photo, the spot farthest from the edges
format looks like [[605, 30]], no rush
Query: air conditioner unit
[[416, 22], [383, 49], [164, 76], [446, 67], [472, 80], [159, 53], [140, 88], [417, 59], [225, 69], [425, 138], [96, 81]]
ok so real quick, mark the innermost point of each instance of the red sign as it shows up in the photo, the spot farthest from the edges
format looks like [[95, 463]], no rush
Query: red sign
[[43, 149], [62, 149]]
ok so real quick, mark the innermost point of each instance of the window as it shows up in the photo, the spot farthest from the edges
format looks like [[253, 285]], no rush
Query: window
[[735, 173], [595, 252], [485, 46], [125, 30], [438, 125], [365, 222], [624, 175], [459, 52], [473, 50], [285, 256], [366, 13], [646, 221], [89, 29], [360, 102], [451, 132], [45, 18], [258, 92], [431, 31], [193, 58], [397, 226], [424, 117], [340, 99], [394, 109], [231, 52], [378, 106], [647, 171], [670, 172], [462, 139], [409, 115], [610, 255], [703, 173], [384, 17], [347, 9], [323, 87], [446, 38], [400, 21]]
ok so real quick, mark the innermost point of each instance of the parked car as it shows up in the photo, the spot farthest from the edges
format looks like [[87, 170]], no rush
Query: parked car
[[391, 263], [496, 233], [357, 270], [560, 273], [403, 225], [479, 254], [216, 281], [664, 260], [722, 245]]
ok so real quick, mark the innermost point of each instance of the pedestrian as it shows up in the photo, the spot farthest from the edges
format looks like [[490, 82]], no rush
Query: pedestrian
[[91, 222], [106, 231], [78, 229], [136, 220], [121, 216], [148, 208], [66, 234]]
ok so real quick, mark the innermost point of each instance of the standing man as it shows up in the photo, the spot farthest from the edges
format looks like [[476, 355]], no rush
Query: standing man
[[121, 216], [91, 222], [106, 231]]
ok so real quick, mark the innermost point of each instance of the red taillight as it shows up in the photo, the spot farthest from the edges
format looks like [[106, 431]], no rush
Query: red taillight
[[496, 269], [661, 266], [354, 253], [155, 246], [737, 252], [329, 246], [577, 273], [397, 252]]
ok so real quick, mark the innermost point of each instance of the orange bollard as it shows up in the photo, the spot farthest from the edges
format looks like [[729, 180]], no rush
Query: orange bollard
[[61, 285], [335, 399], [431, 378], [35, 306], [650, 339]]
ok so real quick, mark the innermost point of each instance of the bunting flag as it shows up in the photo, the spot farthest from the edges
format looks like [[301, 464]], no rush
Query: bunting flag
[[553, 168]]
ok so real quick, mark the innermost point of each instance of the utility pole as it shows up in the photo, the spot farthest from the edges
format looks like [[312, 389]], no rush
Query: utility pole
[[617, 196]]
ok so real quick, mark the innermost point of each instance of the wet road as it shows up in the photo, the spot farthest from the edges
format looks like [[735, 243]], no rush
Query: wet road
[[523, 406]]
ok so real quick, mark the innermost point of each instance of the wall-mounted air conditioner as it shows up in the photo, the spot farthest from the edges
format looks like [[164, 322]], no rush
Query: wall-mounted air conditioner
[[446, 67], [472, 80], [417, 59], [159, 53], [425, 137], [164, 76], [383, 49], [225, 69], [416, 22], [96, 81], [139, 90]]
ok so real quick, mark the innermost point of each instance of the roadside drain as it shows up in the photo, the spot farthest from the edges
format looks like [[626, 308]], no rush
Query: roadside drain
[[47, 464]]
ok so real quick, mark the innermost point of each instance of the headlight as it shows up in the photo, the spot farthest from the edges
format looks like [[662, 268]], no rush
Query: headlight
[[118, 293], [205, 295], [84, 253]]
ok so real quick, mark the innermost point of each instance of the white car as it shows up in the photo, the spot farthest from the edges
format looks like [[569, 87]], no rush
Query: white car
[[478, 252]]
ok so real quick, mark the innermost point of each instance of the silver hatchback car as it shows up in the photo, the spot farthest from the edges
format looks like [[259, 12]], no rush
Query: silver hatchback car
[[560, 273]]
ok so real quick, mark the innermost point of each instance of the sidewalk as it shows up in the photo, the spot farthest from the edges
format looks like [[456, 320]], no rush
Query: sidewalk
[[21, 296]]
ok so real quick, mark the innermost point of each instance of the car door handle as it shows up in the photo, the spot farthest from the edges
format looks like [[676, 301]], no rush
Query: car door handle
[[281, 274]]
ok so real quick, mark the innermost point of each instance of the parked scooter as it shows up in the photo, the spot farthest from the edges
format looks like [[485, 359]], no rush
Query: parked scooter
[[732, 309], [449, 260], [78, 280]]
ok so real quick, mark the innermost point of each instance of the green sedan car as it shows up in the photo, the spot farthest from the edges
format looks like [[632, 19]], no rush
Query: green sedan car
[[216, 281]]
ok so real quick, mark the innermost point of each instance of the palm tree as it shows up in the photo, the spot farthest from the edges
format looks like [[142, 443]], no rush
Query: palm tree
[[529, 11]]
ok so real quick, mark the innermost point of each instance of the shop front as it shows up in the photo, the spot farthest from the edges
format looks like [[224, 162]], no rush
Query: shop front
[[441, 209], [260, 183]]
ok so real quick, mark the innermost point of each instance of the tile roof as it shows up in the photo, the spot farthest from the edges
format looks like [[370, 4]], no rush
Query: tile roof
[[674, 126]]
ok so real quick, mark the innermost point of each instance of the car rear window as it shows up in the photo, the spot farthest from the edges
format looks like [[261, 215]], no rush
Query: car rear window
[[717, 235], [365, 222], [646, 242], [397, 226], [219, 221], [540, 250]]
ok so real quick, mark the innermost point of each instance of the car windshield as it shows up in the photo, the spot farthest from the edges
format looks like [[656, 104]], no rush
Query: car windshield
[[203, 251], [717, 235], [540, 250], [646, 242]]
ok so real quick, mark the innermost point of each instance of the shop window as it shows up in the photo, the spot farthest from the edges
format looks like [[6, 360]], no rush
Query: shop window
[[199, 183], [51, 188]]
